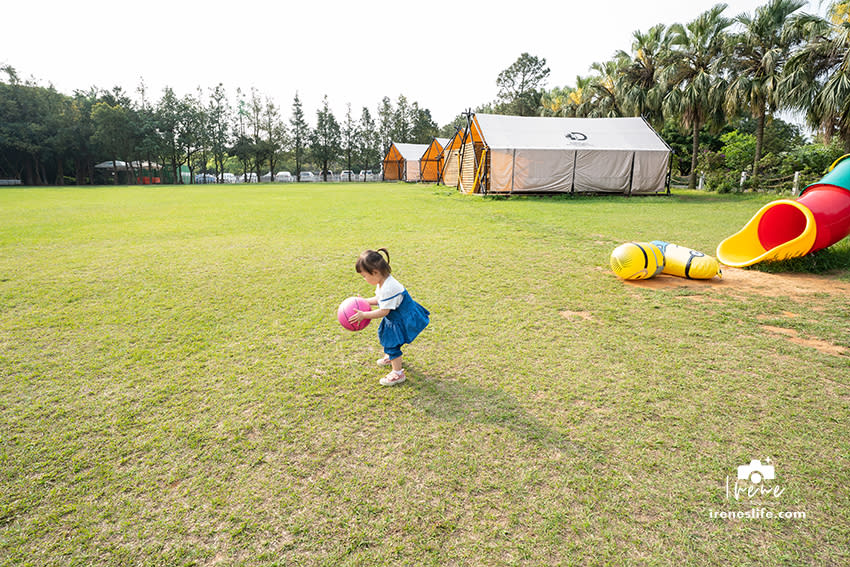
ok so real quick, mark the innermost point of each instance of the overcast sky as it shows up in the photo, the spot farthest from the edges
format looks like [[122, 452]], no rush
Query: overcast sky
[[443, 54]]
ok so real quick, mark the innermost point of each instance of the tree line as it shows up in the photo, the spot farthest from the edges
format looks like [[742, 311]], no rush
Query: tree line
[[690, 81], [49, 138]]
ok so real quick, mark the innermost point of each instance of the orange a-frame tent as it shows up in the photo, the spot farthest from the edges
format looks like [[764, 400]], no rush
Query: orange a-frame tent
[[402, 162], [431, 161]]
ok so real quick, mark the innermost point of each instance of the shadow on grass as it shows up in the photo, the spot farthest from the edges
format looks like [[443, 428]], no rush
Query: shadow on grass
[[453, 401], [831, 259]]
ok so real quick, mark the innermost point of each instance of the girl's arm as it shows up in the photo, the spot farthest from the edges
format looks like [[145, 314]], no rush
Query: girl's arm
[[373, 300], [373, 314]]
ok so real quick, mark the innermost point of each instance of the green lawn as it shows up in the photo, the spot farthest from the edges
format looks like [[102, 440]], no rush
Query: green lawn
[[175, 388]]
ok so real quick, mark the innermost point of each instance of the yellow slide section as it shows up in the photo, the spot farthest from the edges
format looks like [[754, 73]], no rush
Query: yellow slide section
[[781, 229]]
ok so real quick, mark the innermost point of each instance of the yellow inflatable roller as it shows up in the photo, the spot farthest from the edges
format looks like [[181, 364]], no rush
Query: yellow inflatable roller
[[637, 261], [687, 263]]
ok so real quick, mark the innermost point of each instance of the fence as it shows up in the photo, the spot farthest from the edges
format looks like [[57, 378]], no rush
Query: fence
[[676, 181], [792, 183]]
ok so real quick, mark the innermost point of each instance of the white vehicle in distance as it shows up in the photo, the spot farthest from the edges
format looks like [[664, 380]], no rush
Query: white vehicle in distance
[[347, 175], [203, 178], [283, 177], [307, 176], [367, 175]]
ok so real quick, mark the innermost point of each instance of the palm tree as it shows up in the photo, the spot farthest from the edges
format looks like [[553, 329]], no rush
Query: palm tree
[[605, 98], [554, 102], [756, 56], [565, 101], [817, 76], [639, 86], [690, 74], [578, 95]]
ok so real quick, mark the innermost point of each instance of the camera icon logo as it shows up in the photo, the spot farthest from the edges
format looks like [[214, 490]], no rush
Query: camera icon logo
[[756, 472]]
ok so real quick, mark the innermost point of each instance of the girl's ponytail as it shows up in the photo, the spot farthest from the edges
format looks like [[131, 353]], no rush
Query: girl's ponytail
[[386, 253]]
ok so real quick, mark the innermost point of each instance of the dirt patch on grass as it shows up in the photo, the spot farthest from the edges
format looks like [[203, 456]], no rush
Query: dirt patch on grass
[[567, 314], [795, 286], [786, 314], [819, 345]]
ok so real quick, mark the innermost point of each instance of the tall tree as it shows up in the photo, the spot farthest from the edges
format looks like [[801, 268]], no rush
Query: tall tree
[[349, 140], [401, 121], [641, 94], [605, 98], [566, 101], [113, 133], [23, 128], [369, 149], [385, 125], [555, 101], [325, 143], [150, 142], [300, 134], [218, 109], [168, 117], [695, 88], [204, 134], [757, 55], [521, 85], [259, 149], [61, 119], [817, 75], [84, 158], [275, 135], [422, 128], [190, 135], [243, 146]]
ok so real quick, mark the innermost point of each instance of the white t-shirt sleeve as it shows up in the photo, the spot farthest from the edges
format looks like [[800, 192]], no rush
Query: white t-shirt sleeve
[[390, 294]]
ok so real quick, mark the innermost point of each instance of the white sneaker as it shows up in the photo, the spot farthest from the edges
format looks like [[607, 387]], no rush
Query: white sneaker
[[393, 378], [383, 361]]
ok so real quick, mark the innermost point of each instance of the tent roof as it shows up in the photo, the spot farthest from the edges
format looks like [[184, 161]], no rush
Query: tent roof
[[435, 148], [124, 166], [508, 132], [411, 152], [455, 141]]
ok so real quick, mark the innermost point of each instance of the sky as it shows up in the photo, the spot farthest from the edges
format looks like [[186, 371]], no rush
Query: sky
[[445, 55]]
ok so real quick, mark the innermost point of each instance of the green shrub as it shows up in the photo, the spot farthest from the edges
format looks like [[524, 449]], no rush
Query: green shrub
[[813, 158], [722, 181], [710, 161], [739, 149]]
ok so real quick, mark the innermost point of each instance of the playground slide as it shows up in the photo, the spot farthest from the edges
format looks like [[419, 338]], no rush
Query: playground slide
[[787, 228]]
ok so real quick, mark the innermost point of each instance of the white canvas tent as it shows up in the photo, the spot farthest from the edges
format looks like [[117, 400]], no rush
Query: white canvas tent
[[119, 165], [515, 154]]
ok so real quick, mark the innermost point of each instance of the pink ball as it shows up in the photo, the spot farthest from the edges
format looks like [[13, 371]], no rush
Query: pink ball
[[347, 309]]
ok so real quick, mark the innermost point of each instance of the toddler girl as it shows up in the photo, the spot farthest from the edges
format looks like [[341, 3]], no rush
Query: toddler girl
[[402, 318]]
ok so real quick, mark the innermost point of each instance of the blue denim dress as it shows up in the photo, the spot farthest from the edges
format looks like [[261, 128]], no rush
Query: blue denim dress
[[402, 325]]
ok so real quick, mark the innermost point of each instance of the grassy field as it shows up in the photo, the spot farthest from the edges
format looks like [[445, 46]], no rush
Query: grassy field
[[175, 389]]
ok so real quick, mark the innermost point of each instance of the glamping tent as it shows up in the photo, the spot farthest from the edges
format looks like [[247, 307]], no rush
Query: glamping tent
[[146, 172], [402, 161], [451, 159], [516, 154], [431, 161]]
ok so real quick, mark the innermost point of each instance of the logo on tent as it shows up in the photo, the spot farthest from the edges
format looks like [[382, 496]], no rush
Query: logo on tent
[[576, 136]]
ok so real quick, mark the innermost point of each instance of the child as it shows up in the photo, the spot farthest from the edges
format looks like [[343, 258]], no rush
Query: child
[[403, 318]]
